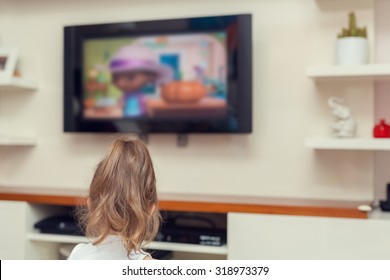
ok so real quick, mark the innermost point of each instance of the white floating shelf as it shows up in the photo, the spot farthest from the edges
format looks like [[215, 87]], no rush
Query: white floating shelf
[[60, 238], [340, 72], [372, 144], [193, 248], [17, 141], [17, 83]]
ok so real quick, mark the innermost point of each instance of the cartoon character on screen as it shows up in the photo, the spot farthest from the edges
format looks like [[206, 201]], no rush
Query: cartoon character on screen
[[133, 68]]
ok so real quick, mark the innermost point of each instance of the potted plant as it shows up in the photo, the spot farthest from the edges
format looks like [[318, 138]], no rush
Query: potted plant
[[352, 44]]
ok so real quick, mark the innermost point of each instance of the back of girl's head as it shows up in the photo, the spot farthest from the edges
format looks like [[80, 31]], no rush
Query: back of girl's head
[[123, 197]]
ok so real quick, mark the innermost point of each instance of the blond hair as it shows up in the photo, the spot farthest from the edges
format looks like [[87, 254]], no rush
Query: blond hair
[[123, 197]]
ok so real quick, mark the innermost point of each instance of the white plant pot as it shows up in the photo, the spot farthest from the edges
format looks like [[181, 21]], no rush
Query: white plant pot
[[351, 51]]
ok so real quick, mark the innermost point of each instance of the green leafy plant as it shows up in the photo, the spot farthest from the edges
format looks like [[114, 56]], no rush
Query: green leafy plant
[[353, 30]]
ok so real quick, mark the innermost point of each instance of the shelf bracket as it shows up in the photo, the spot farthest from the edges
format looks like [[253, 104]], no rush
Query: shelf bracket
[[182, 140]]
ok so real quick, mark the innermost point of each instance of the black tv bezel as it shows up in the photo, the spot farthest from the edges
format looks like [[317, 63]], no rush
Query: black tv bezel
[[241, 56]]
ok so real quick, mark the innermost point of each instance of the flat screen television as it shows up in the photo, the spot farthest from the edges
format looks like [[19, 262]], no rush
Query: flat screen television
[[189, 75]]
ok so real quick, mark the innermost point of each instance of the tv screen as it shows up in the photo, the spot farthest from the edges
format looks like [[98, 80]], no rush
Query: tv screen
[[180, 75]]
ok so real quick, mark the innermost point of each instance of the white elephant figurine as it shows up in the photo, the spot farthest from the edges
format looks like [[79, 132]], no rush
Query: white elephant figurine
[[344, 125]]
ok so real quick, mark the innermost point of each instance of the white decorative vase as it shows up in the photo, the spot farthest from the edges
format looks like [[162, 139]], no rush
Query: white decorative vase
[[351, 51]]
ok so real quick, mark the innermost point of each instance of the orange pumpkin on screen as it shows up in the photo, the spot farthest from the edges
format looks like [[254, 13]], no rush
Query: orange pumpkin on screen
[[183, 92], [89, 103]]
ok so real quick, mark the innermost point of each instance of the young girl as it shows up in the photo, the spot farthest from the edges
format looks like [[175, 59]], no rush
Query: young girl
[[122, 209]]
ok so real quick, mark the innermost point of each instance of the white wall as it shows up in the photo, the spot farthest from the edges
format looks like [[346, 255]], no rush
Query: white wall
[[382, 89], [288, 35]]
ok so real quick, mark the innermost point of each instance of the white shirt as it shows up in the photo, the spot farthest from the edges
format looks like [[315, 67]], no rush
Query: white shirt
[[112, 248]]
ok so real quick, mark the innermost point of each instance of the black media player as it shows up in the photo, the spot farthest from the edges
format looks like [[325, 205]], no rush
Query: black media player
[[192, 235]]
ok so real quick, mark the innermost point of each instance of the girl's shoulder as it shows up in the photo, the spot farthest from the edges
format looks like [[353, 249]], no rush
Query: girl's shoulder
[[76, 249], [110, 249]]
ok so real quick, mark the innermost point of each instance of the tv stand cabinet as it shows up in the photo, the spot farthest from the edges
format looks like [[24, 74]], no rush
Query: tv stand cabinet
[[20, 208]]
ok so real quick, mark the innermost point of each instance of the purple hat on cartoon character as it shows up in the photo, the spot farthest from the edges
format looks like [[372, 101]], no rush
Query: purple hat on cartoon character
[[138, 58]]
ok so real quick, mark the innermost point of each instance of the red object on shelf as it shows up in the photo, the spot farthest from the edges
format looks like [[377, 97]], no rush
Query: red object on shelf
[[382, 130]]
